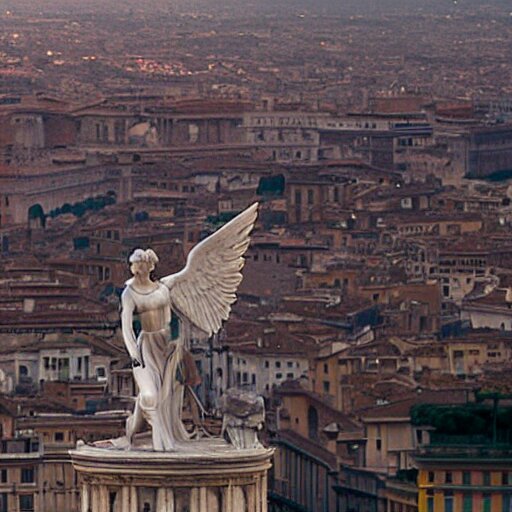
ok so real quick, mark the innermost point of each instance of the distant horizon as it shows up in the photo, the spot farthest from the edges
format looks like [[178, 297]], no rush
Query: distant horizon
[[254, 7]]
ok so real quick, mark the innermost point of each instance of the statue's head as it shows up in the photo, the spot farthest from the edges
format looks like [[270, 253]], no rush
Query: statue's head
[[143, 261]]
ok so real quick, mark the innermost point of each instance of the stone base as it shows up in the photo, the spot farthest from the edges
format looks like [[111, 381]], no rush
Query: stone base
[[201, 476]]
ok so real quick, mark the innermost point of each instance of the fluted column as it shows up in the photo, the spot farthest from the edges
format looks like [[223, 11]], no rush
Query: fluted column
[[251, 498], [125, 498], [85, 497], [164, 500], [212, 500], [228, 499], [194, 500], [258, 500], [95, 499], [103, 498], [133, 499], [238, 498], [264, 504]]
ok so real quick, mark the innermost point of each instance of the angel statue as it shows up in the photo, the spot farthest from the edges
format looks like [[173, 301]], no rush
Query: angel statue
[[200, 295]]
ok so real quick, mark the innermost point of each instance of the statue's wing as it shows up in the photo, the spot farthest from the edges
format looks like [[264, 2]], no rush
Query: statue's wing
[[206, 288]]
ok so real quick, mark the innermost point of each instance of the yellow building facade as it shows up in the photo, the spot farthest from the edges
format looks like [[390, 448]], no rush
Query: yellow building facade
[[480, 483]]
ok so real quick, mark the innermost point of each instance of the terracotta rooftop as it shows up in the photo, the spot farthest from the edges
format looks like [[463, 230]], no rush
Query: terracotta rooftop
[[401, 409]]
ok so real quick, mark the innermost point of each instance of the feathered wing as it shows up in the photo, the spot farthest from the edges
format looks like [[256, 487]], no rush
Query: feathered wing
[[206, 288]]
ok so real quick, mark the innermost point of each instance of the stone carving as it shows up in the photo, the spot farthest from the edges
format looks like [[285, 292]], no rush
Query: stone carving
[[201, 295], [244, 414]]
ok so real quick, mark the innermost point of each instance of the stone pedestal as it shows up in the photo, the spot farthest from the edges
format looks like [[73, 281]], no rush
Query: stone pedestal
[[207, 476]]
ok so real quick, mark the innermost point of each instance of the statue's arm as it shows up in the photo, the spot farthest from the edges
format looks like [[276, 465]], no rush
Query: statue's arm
[[127, 309]]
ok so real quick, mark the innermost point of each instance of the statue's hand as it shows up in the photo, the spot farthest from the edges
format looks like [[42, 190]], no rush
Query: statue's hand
[[136, 363]]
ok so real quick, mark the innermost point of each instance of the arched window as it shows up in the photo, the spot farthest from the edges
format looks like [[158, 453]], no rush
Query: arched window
[[36, 213]]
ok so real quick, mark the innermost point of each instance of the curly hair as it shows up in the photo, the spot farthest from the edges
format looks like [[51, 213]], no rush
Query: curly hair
[[148, 255]]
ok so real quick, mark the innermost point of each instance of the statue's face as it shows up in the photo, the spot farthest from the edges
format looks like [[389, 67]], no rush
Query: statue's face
[[141, 268]]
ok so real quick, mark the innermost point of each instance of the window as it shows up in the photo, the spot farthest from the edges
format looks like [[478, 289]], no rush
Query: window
[[467, 503], [430, 477], [326, 368], [27, 503], [86, 366], [378, 444], [279, 375], [448, 501], [267, 364], [27, 475], [289, 364], [486, 478], [278, 364], [504, 478], [486, 501], [466, 477], [289, 375], [3, 476], [3, 502], [507, 503], [430, 501], [58, 437], [448, 477], [327, 386], [312, 423]]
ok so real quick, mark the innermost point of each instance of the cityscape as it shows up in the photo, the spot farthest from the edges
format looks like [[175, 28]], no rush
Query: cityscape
[[374, 317]]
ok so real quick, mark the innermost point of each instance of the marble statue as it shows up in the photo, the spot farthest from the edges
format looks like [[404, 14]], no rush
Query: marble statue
[[201, 295], [244, 415]]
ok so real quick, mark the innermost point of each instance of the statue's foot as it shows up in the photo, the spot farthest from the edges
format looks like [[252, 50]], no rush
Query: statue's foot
[[118, 443]]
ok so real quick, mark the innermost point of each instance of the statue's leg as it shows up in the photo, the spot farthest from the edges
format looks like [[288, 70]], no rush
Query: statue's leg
[[148, 404], [134, 423]]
